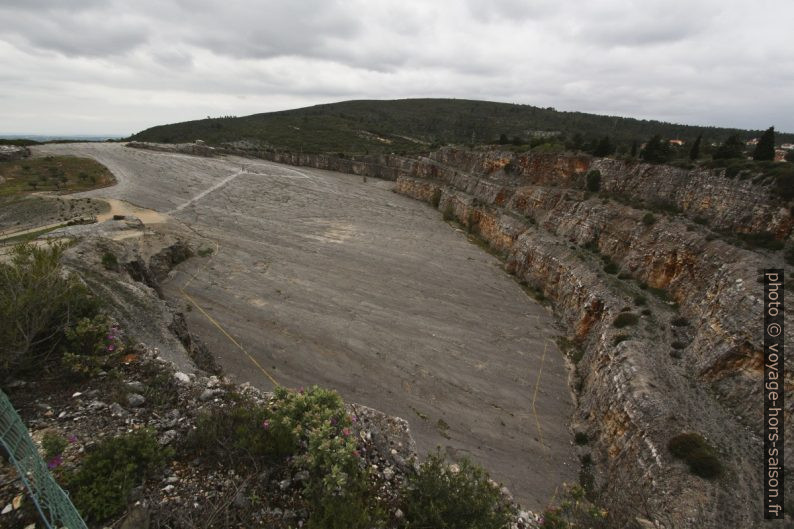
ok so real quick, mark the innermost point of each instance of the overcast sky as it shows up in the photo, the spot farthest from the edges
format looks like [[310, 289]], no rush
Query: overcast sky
[[117, 67]]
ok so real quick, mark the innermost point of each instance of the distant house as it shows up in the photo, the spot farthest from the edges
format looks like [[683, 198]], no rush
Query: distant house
[[780, 155], [754, 141], [199, 142], [787, 146], [677, 143]]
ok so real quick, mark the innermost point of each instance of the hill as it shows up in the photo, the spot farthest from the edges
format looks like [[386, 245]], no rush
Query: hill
[[417, 124]]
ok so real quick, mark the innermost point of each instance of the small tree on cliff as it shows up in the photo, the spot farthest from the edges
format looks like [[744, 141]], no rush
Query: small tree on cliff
[[694, 152], [634, 149], [765, 150], [593, 180], [656, 150], [503, 140], [605, 147]]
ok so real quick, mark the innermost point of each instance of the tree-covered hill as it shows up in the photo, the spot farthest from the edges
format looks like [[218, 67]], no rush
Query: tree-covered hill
[[416, 124]]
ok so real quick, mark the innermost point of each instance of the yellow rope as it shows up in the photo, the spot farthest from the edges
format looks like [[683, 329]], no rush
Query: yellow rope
[[220, 327]]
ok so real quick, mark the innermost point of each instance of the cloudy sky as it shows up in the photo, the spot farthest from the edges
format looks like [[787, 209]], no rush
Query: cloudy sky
[[117, 67]]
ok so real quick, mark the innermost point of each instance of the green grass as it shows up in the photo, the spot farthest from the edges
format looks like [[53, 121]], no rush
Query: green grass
[[413, 125], [52, 173]]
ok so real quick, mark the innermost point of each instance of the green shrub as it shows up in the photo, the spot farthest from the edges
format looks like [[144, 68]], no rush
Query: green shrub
[[625, 319], [242, 434], [593, 181], [646, 312], [38, 302], [625, 276], [640, 301], [679, 321], [580, 438], [611, 268], [570, 349], [764, 240], [313, 429], [575, 511], [649, 219], [53, 444], [449, 212], [697, 453], [101, 484], [700, 220], [92, 345], [678, 345], [440, 497], [435, 199], [109, 261]]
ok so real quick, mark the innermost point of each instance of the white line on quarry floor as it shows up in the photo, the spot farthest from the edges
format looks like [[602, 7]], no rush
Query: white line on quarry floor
[[207, 191]]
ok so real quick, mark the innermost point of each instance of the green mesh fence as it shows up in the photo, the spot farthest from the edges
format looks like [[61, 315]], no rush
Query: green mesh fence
[[51, 501]]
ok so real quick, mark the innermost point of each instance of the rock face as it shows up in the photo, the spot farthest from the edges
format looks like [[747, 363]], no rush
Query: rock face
[[633, 394], [12, 152], [666, 309]]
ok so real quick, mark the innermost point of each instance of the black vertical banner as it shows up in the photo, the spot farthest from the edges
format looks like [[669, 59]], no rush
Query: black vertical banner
[[773, 394]]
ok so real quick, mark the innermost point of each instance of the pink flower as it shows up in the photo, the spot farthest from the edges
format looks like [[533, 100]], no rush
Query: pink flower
[[72, 439], [111, 347], [266, 425], [346, 432], [355, 453], [54, 462], [353, 418]]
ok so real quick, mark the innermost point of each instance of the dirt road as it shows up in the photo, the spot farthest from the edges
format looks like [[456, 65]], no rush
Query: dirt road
[[322, 278]]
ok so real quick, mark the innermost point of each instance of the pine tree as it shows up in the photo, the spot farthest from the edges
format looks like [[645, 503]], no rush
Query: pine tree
[[765, 150], [656, 150], [634, 149], [604, 147], [694, 153], [503, 139]]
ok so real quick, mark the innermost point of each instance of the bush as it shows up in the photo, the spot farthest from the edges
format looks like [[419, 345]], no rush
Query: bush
[[91, 345], [53, 444], [649, 219], [697, 453], [37, 304], [625, 319], [593, 181], [101, 484], [449, 212], [611, 268], [679, 321], [441, 497], [764, 240], [313, 429], [580, 438], [678, 345], [640, 301], [435, 200], [110, 262], [575, 511]]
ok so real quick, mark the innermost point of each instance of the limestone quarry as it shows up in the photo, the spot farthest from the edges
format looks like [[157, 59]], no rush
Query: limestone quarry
[[619, 318]]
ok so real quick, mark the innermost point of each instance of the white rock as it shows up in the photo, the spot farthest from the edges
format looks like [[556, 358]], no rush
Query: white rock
[[182, 377]]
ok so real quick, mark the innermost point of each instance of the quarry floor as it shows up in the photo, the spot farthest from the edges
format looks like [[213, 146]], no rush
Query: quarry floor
[[323, 278]]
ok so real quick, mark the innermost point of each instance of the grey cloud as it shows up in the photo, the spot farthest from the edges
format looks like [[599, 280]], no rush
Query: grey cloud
[[152, 61]]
